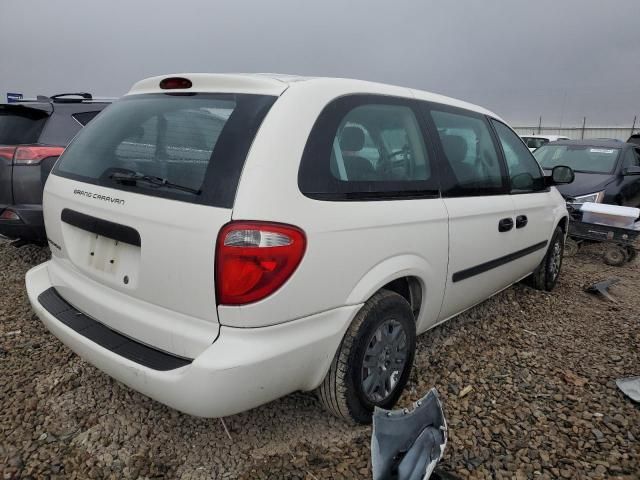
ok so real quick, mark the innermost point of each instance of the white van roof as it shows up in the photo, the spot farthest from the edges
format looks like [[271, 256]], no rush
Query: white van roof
[[276, 84]]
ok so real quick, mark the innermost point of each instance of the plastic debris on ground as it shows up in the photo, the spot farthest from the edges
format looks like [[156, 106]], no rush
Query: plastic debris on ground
[[630, 386], [603, 288], [407, 444]]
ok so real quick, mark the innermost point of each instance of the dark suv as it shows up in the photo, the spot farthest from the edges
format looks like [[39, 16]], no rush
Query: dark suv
[[33, 133]]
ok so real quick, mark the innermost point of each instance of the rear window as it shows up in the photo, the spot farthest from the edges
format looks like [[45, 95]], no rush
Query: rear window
[[197, 142], [19, 125], [535, 142], [579, 157]]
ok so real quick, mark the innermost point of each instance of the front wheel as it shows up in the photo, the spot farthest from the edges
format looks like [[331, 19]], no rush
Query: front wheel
[[372, 364], [545, 276]]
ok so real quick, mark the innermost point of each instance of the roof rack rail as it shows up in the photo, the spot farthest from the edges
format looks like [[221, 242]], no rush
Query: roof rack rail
[[61, 98]]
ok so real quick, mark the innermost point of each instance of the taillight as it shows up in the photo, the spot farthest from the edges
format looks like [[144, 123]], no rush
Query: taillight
[[254, 259], [33, 155], [9, 214], [6, 153]]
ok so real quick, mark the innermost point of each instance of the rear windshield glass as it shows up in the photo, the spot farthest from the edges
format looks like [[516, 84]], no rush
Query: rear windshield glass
[[20, 125], [187, 147], [579, 157], [534, 142]]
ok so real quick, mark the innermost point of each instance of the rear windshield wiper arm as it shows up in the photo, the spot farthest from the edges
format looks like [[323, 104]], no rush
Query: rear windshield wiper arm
[[135, 177]]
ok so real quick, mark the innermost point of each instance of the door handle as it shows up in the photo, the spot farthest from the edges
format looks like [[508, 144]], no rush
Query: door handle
[[505, 224], [521, 221]]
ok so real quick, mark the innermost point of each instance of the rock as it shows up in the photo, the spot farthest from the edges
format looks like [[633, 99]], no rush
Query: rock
[[465, 391], [600, 469], [542, 406]]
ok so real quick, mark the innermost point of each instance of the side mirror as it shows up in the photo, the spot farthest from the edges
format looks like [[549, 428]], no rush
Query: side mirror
[[631, 171], [560, 175]]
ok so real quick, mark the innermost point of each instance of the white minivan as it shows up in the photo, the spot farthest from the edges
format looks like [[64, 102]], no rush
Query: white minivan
[[219, 241]]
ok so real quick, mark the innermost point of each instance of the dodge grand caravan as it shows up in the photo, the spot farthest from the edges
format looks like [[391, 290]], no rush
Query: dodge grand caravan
[[219, 241]]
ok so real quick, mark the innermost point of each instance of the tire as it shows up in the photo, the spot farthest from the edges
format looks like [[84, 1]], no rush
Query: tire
[[343, 391], [615, 256], [571, 247], [546, 275]]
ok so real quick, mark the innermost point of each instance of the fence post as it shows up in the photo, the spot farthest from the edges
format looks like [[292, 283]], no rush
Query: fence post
[[584, 123], [540, 125]]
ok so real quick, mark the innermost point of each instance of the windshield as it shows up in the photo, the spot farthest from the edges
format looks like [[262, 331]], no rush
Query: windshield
[[579, 157], [182, 139], [534, 142]]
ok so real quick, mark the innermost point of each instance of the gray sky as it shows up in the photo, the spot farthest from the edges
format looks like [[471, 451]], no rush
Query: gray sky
[[562, 59]]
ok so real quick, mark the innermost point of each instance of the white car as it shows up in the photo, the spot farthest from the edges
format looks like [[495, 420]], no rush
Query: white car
[[534, 142], [219, 241]]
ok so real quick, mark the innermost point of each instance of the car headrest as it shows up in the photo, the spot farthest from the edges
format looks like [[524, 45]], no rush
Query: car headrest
[[352, 139], [455, 147]]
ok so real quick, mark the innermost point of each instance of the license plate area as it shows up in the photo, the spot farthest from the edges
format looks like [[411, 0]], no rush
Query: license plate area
[[114, 259], [111, 260]]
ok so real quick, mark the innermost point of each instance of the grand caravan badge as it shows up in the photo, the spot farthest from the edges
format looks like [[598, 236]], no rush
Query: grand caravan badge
[[98, 196]]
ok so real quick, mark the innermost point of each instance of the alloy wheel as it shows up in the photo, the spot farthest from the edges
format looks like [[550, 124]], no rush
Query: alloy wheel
[[384, 361]]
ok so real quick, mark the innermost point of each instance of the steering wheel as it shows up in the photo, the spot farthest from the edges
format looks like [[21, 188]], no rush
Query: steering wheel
[[408, 164]]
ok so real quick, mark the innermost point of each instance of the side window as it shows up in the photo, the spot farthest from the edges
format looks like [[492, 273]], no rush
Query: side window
[[524, 172], [84, 117], [631, 158], [471, 154], [366, 146]]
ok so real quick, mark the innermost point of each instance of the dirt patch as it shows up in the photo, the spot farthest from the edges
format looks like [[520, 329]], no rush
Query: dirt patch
[[543, 402]]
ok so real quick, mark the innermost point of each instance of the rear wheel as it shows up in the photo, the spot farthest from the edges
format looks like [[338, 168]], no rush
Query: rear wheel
[[615, 256], [373, 362], [546, 275], [631, 254]]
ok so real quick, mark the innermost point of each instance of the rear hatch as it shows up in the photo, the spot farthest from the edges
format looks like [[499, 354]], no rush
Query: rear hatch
[[134, 206], [19, 125]]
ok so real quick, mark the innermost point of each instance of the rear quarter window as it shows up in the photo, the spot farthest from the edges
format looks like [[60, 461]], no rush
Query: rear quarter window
[[84, 117], [367, 147]]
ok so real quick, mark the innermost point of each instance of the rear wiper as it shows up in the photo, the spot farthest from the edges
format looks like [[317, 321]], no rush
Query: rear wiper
[[132, 178]]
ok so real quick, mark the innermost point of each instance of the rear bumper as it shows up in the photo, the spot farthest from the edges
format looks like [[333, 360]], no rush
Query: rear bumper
[[30, 226], [243, 368]]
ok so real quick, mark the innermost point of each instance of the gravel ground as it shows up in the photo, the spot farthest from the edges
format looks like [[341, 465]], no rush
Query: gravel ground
[[543, 402]]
